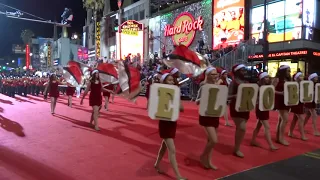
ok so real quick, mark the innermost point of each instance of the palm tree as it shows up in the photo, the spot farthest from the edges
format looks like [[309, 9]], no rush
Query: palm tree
[[26, 36], [94, 5]]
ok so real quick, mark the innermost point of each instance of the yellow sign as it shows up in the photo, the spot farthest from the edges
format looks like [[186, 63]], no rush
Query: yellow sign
[[49, 55], [130, 32], [98, 39]]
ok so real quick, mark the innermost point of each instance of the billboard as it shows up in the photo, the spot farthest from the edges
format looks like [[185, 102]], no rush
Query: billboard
[[130, 40], [228, 22], [309, 18], [285, 20]]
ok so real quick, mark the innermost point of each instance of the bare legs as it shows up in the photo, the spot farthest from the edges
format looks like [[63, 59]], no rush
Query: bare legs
[[281, 127], [168, 144], [94, 117], [53, 104], [239, 135], [70, 101], [313, 114], [226, 117], [106, 102], [206, 156], [298, 118], [267, 134]]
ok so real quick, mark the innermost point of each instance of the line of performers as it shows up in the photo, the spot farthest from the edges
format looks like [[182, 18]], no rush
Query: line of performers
[[167, 129], [22, 86], [94, 85]]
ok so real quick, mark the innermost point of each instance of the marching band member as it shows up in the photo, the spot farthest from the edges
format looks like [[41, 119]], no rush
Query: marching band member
[[263, 116], [298, 113], [95, 97], [225, 81], [282, 76], [210, 124], [240, 118], [167, 131], [311, 108], [70, 92], [53, 88]]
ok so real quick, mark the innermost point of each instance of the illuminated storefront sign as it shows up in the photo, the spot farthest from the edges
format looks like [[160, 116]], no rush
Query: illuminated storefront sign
[[183, 29], [49, 55], [316, 53], [27, 56], [280, 54], [130, 40], [228, 22], [98, 39]]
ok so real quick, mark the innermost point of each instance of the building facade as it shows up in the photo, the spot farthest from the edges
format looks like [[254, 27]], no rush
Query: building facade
[[293, 34]]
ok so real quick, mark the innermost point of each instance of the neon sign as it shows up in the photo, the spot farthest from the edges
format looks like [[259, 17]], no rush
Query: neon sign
[[183, 29], [27, 56], [280, 54], [316, 53], [49, 55], [98, 39]]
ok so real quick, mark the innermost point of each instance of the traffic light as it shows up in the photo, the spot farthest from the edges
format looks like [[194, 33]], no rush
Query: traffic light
[[115, 25], [4, 67]]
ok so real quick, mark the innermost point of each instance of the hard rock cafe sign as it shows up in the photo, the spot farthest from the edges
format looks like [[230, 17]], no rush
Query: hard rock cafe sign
[[184, 28]]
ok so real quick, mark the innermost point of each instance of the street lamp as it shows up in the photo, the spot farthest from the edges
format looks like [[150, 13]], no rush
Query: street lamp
[[12, 61], [30, 54], [74, 36], [7, 63]]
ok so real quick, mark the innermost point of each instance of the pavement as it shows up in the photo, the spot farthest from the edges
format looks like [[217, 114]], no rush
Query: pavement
[[302, 167]]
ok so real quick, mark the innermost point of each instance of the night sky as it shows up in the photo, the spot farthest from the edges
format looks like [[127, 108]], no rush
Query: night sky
[[10, 29]]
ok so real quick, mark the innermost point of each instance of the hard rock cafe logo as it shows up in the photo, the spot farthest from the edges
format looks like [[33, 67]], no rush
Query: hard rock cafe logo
[[183, 29]]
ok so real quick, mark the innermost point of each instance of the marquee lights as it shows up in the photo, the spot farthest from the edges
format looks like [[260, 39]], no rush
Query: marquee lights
[[98, 39]]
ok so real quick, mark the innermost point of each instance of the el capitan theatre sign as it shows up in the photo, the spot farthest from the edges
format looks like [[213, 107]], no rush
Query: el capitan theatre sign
[[184, 28], [297, 53]]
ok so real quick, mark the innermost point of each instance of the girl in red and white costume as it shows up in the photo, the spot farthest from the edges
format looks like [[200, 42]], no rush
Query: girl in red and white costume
[[263, 116], [210, 124], [282, 76], [107, 94], [240, 118], [70, 92], [167, 131], [298, 112], [311, 108], [224, 81], [95, 98], [53, 87]]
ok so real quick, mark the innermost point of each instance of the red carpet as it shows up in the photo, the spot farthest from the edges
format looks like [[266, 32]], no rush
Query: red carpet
[[34, 145]]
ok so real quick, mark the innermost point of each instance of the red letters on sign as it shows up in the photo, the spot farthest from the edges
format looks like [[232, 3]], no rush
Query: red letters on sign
[[184, 27]]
